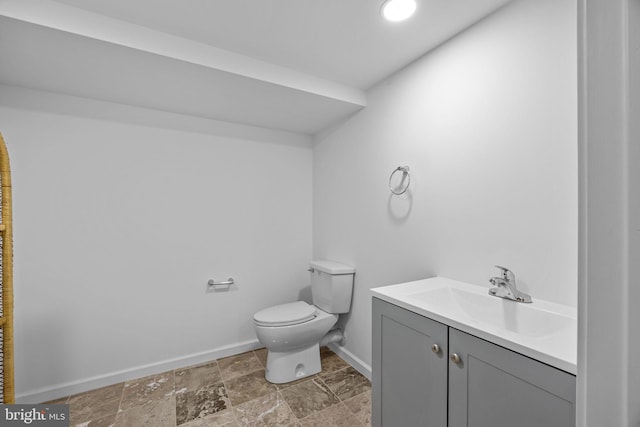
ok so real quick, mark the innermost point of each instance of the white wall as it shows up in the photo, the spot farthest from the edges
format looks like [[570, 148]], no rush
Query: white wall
[[118, 227], [488, 125]]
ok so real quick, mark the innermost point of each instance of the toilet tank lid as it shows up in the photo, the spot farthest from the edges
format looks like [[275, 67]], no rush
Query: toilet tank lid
[[332, 267]]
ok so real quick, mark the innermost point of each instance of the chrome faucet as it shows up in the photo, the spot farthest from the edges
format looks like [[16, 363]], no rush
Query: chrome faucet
[[506, 287]]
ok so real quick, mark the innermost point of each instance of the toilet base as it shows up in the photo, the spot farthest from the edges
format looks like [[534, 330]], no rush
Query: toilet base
[[284, 367]]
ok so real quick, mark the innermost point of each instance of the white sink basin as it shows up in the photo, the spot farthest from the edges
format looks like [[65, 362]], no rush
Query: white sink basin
[[542, 330], [526, 319]]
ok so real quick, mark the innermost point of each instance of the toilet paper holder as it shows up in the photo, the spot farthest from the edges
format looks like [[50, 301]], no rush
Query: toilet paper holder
[[226, 283]]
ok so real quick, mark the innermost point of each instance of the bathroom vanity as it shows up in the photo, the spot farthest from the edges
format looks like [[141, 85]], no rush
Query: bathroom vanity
[[447, 354]]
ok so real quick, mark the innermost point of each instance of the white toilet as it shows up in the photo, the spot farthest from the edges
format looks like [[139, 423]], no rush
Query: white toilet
[[294, 332]]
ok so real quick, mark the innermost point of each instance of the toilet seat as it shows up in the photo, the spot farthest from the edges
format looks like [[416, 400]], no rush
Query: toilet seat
[[292, 313]]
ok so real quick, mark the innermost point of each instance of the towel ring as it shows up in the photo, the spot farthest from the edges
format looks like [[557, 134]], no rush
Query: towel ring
[[403, 187]]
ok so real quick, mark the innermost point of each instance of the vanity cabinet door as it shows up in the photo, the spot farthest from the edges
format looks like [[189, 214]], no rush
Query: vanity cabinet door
[[495, 387], [409, 373]]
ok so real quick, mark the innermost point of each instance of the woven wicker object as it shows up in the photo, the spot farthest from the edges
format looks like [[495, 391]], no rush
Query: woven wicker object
[[6, 315]]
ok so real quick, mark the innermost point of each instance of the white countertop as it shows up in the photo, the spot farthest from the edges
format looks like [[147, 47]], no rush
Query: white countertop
[[542, 330]]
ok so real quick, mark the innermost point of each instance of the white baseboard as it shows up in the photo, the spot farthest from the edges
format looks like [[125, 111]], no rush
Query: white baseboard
[[67, 389], [352, 360]]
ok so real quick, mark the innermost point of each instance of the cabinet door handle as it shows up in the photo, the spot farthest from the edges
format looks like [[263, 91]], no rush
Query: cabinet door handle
[[455, 358], [436, 349]]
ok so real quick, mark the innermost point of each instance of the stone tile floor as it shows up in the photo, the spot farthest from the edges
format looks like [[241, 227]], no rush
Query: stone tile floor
[[229, 392]]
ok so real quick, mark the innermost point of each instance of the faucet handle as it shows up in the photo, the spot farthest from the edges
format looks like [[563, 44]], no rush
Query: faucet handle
[[506, 273]]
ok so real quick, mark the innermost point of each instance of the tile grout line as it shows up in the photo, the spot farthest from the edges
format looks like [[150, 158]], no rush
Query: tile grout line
[[226, 390], [175, 398], [224, 381], [278, 390], [124, 384], [288, 406], [341, 401]]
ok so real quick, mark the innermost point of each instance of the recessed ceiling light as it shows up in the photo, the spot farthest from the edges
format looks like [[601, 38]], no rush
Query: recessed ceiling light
[[398, 10]]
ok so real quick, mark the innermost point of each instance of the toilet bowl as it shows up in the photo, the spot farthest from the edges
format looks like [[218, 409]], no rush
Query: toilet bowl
[[293, 349], [293, 332]]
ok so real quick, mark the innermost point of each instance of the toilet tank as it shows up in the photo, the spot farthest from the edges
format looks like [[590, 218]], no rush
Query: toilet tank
[[331, 286]]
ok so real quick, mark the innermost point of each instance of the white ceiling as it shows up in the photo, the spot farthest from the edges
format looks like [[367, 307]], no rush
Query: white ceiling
[[296, 65], [342, 40]]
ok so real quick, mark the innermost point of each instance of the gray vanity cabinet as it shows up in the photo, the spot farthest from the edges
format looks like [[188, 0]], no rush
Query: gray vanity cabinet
[[409, 378], [493, 387], [468, 382]]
